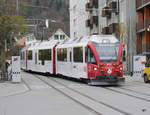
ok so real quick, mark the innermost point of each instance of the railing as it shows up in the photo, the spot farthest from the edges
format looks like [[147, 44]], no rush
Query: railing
[[140, 3], [143, 25], [3, 76]]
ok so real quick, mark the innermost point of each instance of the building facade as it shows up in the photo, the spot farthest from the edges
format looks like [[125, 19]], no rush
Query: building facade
[[143, 27]]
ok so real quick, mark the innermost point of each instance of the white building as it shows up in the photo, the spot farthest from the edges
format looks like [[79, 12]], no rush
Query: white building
[[84, 17], [59, 35], [29, 39]]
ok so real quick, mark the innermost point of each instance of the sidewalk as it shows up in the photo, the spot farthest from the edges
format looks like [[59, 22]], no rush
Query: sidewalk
[[135, 77], [8, 88]]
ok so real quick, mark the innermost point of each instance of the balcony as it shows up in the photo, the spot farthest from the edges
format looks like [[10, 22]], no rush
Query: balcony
[[94, 3], [142, 3], [140, 27], [88, 6], [91, 4], [94, 20], [105, 30], [113, 6], [113, 27], [106, 12]]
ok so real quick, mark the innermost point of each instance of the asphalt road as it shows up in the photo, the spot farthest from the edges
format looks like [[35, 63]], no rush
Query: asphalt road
[[57, 96]]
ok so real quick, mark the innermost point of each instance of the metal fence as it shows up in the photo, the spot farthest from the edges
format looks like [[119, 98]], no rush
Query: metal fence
[[3, 76]]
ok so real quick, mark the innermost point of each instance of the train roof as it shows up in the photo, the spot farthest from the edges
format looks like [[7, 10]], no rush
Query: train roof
[[83, 41], [41, 45]]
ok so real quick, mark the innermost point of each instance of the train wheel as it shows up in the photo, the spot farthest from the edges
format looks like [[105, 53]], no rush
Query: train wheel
[[146, 79]]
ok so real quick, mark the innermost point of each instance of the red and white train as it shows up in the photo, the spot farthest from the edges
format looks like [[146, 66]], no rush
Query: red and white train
[[96, 58]]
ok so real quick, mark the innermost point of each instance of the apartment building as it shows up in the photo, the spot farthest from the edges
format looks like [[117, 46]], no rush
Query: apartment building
[[84, 17], [143, 27]]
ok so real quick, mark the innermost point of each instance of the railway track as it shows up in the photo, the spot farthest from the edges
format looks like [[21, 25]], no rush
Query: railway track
[[81, 94], [135, 91], [128, 94]]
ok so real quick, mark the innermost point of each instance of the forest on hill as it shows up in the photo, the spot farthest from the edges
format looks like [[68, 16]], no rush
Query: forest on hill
[[57, 10]]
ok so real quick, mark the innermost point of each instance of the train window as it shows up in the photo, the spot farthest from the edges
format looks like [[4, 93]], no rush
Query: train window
[[29, 55], [90, 56], [78, 54], [62, 54], [36, 58], [45, 54], [40, 54], [70, 56]]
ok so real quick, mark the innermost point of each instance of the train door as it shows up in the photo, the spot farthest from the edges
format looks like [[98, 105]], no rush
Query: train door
[[54, 59], [26, 59], [92, 64], [70, 62], [78, 62]]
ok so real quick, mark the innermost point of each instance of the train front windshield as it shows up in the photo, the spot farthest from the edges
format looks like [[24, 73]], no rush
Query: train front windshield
[[107, 52]]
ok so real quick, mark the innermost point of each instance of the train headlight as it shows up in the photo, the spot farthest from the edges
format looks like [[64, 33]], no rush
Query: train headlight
[[109, 71], [121, 68], [95, 69]]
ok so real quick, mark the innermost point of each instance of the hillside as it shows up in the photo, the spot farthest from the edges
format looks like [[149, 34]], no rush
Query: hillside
[[57, 10]]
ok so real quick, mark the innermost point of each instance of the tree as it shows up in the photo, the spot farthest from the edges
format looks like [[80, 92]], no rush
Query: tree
[[11, 25]]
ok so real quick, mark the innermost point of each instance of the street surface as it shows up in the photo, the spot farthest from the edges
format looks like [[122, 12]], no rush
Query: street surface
[[41, 95]]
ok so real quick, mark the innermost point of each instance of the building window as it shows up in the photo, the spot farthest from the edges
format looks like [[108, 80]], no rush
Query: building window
[[78, 54], [56, 37], [45, 54], [62, 54], [62, 37], [29, 55], [74, 34]]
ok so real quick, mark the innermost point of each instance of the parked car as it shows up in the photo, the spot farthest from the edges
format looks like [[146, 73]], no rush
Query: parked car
[[146, 74]]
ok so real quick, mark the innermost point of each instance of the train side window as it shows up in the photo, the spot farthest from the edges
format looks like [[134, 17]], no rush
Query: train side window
[[40, 54], [78, 54], [29, 55], [70, 56], [90, 56], [36, 58], [62, 54], [45, 54]]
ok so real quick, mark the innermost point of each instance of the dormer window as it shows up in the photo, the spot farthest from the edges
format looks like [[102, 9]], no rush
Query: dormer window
[[62, 37], [56, 37]]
